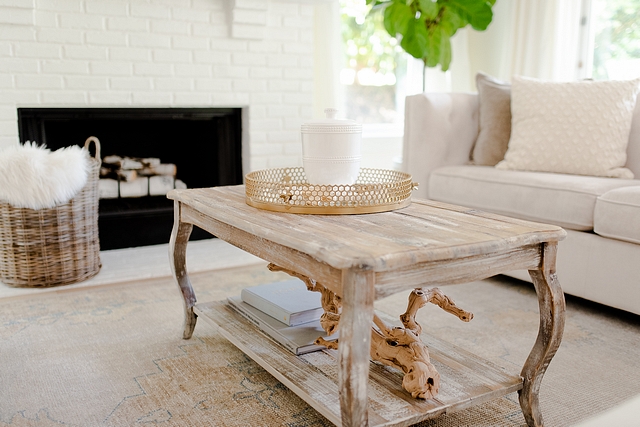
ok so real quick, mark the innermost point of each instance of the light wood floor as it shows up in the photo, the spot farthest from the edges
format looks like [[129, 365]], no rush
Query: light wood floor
[[149, 262]]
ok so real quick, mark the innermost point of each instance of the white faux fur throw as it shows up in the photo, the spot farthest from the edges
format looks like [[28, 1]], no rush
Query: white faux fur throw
[[32, 176]]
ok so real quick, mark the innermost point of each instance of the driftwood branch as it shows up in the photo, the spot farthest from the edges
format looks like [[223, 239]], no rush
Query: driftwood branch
[[331, 304], [395, 346]]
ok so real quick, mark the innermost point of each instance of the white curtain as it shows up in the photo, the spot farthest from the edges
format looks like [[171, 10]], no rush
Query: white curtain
[[543, 40], [533, 38]]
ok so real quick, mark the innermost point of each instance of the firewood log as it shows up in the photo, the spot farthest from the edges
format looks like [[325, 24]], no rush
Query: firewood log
[[118, 174], [136, 188], [165, 169]]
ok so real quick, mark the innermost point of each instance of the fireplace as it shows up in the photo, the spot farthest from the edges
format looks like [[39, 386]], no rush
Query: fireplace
[[203, 143]]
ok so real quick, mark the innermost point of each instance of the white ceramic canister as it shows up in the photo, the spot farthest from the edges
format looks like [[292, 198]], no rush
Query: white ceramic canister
[[331, 150]]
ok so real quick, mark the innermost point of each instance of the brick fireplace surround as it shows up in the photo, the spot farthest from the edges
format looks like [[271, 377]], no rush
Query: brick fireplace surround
[[253, 54]]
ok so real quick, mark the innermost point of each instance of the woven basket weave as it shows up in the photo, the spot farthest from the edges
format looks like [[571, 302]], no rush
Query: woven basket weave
[[55, 246]]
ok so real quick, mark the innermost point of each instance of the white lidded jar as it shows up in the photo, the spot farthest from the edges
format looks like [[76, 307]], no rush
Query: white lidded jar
[[331, 150]]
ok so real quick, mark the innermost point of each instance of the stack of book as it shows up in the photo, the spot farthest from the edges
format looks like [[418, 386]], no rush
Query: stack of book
[[286, 311]]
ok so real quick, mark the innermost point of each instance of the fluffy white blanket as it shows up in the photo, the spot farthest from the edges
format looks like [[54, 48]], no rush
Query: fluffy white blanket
[[33, 176]]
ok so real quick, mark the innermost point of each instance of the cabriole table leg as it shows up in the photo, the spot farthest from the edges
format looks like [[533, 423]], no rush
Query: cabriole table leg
[[178, 261], [552, 313]]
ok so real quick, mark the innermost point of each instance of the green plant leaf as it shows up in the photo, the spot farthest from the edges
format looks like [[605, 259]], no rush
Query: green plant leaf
[[445, 52], [434, 42], [397, 17], [428, 9], [451, 21], [478, 13], [416, 39]]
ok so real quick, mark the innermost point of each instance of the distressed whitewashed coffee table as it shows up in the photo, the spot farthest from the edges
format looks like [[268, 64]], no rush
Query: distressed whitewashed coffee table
[[363, 258]]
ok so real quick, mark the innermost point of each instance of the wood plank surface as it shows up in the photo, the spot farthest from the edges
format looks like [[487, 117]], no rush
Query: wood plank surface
[[466, 379], [422, 232]]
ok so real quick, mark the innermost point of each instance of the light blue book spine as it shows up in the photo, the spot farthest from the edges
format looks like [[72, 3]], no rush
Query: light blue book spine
[[288, 301]]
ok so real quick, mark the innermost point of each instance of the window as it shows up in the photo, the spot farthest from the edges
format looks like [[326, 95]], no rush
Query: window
[[375, 82], [615, 40], [375, 67]]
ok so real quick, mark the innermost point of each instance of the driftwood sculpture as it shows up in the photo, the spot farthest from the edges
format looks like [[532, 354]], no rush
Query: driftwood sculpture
[[399, 347]]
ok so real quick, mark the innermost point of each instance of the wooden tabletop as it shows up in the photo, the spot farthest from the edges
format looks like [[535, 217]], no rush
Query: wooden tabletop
[[424, 231]]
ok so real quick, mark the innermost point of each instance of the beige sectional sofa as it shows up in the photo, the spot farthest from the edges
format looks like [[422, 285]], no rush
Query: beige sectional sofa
[[600, 258]]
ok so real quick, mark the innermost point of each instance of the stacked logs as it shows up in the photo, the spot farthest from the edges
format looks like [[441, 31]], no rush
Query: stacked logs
[[136, 177]]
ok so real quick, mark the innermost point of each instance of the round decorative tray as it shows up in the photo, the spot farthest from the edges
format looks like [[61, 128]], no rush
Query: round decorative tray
[[287, 190]]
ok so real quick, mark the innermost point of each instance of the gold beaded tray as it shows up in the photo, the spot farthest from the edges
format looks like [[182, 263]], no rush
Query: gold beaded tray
[[287, 190]]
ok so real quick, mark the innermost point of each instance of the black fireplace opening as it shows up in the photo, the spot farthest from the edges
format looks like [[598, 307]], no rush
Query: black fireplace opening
[[203, 143]]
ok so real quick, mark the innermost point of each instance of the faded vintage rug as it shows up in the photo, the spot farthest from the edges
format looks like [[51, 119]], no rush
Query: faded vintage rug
[[114, 356]]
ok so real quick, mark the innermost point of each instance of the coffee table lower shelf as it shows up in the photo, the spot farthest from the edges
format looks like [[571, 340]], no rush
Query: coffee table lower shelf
[[465, 379]]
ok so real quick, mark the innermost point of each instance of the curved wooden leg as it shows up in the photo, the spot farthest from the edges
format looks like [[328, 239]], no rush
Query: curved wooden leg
[[178, 260], [552, 311], [355, 346]]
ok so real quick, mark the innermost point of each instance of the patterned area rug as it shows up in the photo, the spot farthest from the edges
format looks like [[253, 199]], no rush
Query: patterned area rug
[[113, 356]]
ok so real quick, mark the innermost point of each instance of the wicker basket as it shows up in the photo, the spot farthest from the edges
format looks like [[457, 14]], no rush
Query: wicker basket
[[55, 246]]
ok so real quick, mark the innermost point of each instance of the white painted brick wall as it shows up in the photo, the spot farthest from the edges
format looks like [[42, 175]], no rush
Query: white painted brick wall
[[254, 54]]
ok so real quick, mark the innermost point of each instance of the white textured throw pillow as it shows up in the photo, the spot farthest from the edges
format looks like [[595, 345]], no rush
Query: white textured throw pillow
[[579, 128]]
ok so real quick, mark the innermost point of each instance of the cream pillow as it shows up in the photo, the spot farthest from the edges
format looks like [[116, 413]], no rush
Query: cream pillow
[[579, 128]]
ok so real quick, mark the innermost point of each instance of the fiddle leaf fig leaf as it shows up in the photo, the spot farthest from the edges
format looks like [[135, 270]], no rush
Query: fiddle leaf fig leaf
[[445, 52], [434, 43], [451, 22], [478, 13], [428, 9], [397, 17], [416, 39]]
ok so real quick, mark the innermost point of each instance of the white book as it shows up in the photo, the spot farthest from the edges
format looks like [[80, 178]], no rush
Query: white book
[[298, 339], [288, 301]]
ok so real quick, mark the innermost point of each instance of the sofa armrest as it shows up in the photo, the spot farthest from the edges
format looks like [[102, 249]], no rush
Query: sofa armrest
[[633, 149], [439, 130]]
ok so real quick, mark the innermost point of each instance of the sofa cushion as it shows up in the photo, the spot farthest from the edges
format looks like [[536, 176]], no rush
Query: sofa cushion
[[571, 127], [564, 200], [617, 214], [494, 115]]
